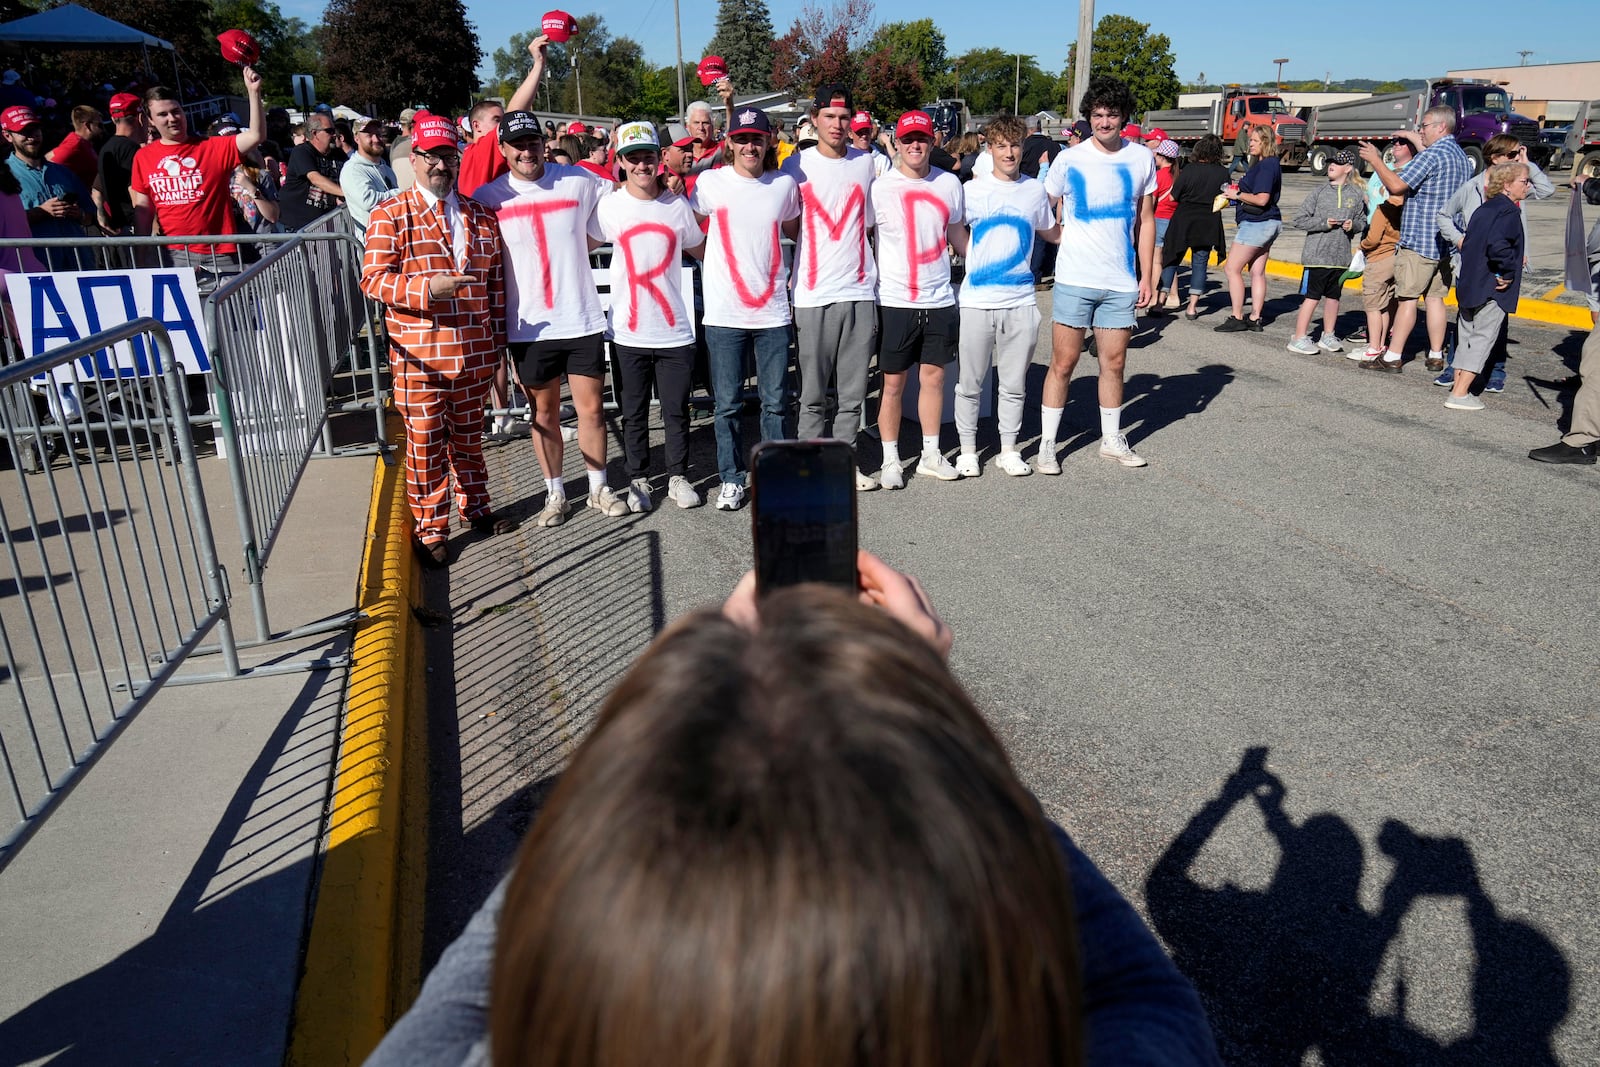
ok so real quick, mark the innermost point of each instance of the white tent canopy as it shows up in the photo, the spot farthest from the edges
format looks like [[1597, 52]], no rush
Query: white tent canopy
[[69, 25]]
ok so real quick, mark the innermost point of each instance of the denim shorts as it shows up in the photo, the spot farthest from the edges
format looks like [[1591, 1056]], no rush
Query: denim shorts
[[1104, 309], [1258, 234]]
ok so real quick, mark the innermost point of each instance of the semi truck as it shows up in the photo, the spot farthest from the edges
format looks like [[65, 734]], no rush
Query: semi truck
[[1224, 116], [1482, 109], [1583, 141]]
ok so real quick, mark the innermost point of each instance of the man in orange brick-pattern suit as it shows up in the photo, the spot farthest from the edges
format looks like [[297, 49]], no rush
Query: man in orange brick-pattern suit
[[433, 259]]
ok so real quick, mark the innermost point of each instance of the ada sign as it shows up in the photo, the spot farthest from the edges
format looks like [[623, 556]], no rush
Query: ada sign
[[56, 309]]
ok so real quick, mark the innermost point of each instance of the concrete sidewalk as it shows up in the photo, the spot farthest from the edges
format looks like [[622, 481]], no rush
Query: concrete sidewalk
[[158, 915]]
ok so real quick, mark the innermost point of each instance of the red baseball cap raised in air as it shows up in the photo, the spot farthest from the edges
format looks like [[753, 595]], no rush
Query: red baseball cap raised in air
[[558, 26], [711, 70], [239, 47], [913, 122]]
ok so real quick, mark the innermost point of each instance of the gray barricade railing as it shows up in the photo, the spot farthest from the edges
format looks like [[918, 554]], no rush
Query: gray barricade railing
[[293, 339], [114, 578]]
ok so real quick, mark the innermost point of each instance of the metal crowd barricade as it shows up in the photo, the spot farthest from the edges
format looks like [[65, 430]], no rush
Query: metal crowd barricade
[[292, 340], [114, 578]]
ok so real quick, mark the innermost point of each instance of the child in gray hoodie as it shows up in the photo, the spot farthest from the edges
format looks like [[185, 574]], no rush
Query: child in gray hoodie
[[1331, 215]]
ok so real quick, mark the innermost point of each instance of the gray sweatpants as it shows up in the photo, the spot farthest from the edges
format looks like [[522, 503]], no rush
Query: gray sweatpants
[[1004, 337], [834, 342]]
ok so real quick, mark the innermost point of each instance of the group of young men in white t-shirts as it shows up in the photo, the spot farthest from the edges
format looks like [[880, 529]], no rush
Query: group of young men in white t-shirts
[[871, 273]]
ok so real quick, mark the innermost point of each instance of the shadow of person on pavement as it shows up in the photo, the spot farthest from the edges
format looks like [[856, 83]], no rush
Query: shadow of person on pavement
[[1152, 402], [1294, 967]]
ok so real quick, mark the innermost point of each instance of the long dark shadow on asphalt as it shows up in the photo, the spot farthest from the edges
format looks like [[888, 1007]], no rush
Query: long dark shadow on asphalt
[[1295, 966]]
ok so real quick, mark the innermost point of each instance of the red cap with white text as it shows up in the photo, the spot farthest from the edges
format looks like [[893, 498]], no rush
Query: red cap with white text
[[914, 122], [432, 132], [558, 26], [712, 69]]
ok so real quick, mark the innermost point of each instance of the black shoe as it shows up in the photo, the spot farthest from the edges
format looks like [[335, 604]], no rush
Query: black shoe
[[1357, 335], [1231, 325], [1561, 452], [1256, 325]]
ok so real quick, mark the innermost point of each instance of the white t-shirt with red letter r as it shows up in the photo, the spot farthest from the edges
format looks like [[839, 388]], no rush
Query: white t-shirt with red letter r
[[649, 308]]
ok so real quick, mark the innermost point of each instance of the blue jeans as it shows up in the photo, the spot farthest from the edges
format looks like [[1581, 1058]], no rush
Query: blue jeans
[[1168, 274], [727, 348]]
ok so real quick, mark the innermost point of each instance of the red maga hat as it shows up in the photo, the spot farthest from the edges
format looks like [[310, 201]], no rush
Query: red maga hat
[[558, 26], [125, 104], [17, 119], [239, 47], [914, 122], [431, 132], [711, 70]]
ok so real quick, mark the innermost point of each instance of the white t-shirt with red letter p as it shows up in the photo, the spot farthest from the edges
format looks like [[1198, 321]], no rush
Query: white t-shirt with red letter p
[[914, 216]]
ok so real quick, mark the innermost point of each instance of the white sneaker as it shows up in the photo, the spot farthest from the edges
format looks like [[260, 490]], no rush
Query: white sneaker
[[1464, 403], [1360, 354], [967, 465], [681, 493], [936, 466], [555, 512], [569, 434], [639, 496], [892, 476], [1329, 343], [1117, 448], [607, 503], [865, 483], [730, 497], [1046, 462], [1013, 464], [1303, 346]]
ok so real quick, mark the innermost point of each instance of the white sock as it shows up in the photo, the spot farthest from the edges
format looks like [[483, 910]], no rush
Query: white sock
[[597, 480], [1049, 422], [1110, 422], [891, 453], [556, 487], [501, 424], [969, 448], [930, 445], [1435, 355], [1008, 442]]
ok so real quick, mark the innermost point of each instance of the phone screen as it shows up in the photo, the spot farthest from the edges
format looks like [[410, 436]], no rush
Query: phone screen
[[803, 513]]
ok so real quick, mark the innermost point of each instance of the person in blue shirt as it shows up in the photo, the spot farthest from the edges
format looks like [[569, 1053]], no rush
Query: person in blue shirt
[[51, 193]]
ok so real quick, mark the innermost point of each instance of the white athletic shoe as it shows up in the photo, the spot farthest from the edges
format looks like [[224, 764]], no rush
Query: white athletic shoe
[[892, 476], [1013, 464], [730, 497], [934, 465], [1329, 343], [1117, 448], [639, 496], [555, 511], [1302, 346], [967, 465], [681, 493], [607, 503], [865, 483], [1046, 462]]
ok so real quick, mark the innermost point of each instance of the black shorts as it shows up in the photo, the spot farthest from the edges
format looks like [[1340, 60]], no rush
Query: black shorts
[[539, 362], [908, 336], [1319, 282]]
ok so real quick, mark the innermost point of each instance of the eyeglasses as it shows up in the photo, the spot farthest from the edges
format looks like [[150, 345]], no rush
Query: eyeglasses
[[442, 159], [320, 130]]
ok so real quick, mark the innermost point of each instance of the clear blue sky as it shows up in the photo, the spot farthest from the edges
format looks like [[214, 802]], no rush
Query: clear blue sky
[[1418, 39]]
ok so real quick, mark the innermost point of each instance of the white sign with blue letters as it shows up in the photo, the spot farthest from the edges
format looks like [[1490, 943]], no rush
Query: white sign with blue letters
[[55, 309]]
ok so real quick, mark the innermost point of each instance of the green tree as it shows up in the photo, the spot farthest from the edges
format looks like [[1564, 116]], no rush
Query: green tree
[[288, 46], [1389, 87], [378, 61], [821, 46], [1125, 48], [919, 43], [991, 80], [744, 41], [887, 86]]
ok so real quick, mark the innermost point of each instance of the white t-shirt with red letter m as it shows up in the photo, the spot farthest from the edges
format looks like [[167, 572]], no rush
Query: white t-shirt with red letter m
[[833, 260]]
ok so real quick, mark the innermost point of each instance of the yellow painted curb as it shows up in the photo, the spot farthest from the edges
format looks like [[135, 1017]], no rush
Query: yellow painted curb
[[360, 964], [1544, 311]]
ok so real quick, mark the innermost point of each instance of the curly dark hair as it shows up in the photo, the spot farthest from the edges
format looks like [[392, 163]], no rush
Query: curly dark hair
[[1207, 149], [1110, 93]]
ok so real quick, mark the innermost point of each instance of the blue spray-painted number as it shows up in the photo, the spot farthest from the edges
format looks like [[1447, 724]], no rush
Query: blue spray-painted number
[[1006, 269], [1120, 208]]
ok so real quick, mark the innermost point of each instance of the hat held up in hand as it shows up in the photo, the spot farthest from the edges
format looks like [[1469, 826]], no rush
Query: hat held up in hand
[[558, 26], [239, 47]]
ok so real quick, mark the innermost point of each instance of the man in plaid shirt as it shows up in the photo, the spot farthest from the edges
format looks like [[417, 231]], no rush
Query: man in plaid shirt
[[433, 258], [1422, 262]]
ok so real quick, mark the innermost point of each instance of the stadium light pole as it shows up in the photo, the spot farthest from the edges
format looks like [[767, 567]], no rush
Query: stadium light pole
[[1080, 68]]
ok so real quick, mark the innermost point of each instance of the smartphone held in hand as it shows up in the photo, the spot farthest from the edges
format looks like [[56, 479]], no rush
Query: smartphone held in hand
[[803, 513]]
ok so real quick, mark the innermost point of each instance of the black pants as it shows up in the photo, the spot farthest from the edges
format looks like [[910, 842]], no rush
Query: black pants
[[669, 370]]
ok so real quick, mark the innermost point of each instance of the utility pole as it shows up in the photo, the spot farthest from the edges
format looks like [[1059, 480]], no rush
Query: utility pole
[[1280, 63], [1016, 88], [677, 26], [1525, 53], [577, 80], [1080, 68]]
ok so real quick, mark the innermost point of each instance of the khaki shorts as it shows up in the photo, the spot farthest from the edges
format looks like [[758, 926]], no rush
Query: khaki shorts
[[1377, 284], [1415, 276]]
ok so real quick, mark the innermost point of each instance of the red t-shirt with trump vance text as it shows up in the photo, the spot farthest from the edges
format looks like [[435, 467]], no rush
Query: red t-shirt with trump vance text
[[188, 184]]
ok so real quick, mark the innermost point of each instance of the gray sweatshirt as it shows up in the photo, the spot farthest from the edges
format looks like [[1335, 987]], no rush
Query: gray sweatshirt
[[1469, 198], [1329, 246]]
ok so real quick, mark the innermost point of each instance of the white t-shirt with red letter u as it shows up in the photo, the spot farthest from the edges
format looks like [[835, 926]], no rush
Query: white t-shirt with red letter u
[[745, 279]]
